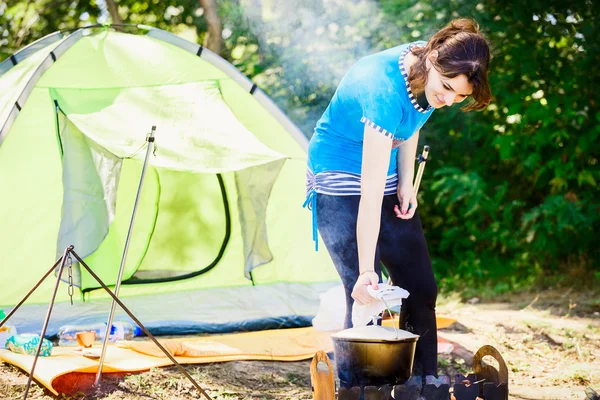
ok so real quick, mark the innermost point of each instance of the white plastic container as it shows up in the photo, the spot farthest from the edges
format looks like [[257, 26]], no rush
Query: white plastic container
[[67, 335]]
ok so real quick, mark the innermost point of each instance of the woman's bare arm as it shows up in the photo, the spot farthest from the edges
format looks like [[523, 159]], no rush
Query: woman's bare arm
[[375, 163]]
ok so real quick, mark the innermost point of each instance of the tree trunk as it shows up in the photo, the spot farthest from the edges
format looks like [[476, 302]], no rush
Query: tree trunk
[[113, 10], [214, 38]]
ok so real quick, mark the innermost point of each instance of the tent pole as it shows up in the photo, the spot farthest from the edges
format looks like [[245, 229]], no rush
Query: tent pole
[[150, 140]]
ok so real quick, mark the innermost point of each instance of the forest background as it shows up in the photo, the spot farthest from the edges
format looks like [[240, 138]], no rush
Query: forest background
[[510, 196]]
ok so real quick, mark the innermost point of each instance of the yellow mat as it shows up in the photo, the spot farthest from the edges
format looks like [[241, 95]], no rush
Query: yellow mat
[[275, 345], [68, 371]]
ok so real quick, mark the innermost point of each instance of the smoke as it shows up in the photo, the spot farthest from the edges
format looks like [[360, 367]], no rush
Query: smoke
[[316, 42]]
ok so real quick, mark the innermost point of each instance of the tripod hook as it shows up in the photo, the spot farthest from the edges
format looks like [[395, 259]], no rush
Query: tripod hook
[[70, 269]]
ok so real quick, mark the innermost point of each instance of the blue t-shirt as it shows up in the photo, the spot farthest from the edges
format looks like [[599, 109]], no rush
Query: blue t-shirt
[[374, 91]]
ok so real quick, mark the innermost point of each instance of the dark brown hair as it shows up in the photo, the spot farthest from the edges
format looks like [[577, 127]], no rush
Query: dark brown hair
[[462, 49]]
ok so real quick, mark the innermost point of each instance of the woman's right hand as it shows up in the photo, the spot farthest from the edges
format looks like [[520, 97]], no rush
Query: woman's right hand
[[360, 293]]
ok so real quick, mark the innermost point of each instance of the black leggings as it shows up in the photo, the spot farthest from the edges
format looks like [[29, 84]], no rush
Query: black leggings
[[402, 249]]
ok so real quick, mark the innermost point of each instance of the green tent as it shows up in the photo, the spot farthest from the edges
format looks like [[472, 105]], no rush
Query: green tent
[[220, 240]]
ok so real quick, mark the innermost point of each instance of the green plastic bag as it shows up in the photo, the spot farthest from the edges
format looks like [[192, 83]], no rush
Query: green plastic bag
[[27, 344]]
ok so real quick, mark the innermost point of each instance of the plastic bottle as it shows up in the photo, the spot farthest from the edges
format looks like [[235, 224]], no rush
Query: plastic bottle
[[121, 330], [7, 330]]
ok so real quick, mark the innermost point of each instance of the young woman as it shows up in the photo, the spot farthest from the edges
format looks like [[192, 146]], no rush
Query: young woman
[[361, 169]]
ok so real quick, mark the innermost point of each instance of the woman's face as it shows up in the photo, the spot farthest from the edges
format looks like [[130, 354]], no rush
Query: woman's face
[[441, 91]]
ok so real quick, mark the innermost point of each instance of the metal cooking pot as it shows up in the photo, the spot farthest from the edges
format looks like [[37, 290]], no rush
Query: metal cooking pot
[[374, 361]]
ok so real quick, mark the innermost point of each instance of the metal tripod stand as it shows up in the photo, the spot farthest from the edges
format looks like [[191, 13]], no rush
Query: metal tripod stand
[[62, 261]]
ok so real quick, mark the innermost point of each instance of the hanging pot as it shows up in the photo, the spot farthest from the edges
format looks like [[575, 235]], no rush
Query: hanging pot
[[374, 355]]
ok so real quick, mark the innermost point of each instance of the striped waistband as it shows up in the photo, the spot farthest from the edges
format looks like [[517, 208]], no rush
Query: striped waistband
[[341, 183], [336, 183]]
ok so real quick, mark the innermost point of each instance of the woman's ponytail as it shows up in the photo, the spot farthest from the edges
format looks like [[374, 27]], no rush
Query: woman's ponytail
[[453, 29]]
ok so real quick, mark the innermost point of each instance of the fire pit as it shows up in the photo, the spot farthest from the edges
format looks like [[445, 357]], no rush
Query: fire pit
[[487, 382], [374, 355]]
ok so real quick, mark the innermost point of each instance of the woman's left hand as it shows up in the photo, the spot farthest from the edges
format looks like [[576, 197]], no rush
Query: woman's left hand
[[408, 202]]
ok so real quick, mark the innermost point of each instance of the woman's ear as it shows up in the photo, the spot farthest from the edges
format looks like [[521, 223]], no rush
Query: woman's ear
[[431, 58]]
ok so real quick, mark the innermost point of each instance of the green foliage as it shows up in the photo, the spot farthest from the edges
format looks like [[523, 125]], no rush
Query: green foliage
[[514, 189], [22, 22], [510, 195]]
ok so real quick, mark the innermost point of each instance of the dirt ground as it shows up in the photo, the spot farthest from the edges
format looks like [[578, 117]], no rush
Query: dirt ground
[[550, 342]]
